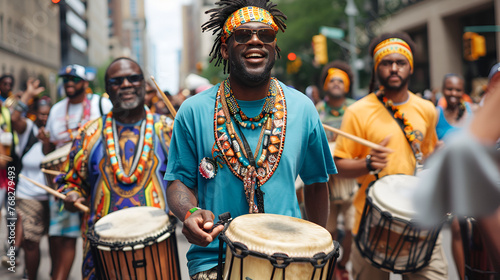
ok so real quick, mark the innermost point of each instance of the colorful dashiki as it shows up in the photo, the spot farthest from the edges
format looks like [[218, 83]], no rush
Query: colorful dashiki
[[139, 151]]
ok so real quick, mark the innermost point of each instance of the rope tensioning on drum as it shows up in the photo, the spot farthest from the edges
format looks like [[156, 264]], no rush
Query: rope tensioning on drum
[[372, 235], [278, 260]]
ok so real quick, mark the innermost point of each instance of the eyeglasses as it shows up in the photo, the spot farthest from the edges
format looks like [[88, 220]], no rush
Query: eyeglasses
[[243, 35], [133, 79], [71, 79]]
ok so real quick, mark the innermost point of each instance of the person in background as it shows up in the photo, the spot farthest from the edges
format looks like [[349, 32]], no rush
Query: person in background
[[6, 86], [33, 202], [457, 112], [337, 78], [451, 118], [65, 118], [463, 179], [12, 123]]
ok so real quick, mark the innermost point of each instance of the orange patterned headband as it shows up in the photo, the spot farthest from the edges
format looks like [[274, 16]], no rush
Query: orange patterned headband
[[244, 15], [390, 46], [337, 73]]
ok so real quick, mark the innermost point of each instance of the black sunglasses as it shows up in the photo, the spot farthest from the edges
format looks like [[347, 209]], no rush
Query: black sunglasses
[[133, 79], [72, 79], [243, 35]]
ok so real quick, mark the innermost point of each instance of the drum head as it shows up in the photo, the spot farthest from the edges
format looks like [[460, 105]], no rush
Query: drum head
[[57, 156], [132, 224], [393, 193], [269, 234]]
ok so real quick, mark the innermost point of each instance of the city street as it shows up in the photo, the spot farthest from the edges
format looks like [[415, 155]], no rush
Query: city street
[[183, 245]]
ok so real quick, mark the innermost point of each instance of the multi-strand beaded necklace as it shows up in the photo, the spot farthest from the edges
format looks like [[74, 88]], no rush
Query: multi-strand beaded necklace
[[145, 145], [233, 148]]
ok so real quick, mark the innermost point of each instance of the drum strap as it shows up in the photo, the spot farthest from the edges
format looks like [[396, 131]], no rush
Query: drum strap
[[410, 136]]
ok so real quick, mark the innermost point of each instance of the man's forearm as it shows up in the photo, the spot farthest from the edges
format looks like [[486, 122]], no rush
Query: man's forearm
[[180, 199], [351, 168], [317, 203]]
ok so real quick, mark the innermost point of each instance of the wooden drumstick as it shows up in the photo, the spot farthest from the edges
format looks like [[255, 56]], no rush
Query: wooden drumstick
[[165, 99], [51, 172], [4, 157], [357, 139], [55, 193]]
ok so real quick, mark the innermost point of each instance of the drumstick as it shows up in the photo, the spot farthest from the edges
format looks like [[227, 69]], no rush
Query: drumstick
[[165, 99], [51, 172], [56, 193], [4, 157], [356, 138]]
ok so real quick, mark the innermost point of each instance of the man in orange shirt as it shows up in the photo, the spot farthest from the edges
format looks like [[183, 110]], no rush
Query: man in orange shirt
[[369, 118]]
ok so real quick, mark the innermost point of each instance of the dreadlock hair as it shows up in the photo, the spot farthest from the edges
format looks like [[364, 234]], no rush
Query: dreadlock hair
[[218, 17], [339, 64], [461, 105], [373, 44]]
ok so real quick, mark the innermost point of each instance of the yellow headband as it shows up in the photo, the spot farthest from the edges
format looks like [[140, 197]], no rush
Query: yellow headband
[[390, 46], [337, 73], [244, 15]]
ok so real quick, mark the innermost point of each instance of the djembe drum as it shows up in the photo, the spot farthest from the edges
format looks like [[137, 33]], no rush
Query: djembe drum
[[55, 161], [267, 246], [135, 243], [387, 236], [341, 189]]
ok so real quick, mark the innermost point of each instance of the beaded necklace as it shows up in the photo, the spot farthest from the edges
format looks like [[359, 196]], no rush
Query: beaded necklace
[[240, 116], [253, 170], [337, 112], [114, 154], [84, 118], [414, 137]]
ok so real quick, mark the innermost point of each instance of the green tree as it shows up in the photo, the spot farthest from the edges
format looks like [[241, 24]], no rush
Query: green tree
[[304, 21]]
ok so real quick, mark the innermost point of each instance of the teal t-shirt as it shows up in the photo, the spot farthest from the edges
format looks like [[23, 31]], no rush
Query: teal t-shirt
[[306, 152]]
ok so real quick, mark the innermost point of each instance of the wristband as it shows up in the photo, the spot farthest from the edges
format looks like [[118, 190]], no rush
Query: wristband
[[369, 163], [23, 106], [191, 211]]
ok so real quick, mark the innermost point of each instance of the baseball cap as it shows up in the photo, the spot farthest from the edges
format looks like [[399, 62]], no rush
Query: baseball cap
[[495, 69], [74, 70]]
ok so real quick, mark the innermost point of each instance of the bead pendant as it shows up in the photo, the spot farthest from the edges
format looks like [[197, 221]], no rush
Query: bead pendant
[[208, 168]]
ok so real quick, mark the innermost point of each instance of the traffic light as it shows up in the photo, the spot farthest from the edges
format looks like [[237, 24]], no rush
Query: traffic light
[[474, 46], [320, 49], [56, 1], [293, 64]]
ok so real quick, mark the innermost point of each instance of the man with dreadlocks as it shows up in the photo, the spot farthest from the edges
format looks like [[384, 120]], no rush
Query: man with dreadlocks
[[228, 151], [402, 122]]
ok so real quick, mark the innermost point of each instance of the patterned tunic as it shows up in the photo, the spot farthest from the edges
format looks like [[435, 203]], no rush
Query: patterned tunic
[[90, 174]]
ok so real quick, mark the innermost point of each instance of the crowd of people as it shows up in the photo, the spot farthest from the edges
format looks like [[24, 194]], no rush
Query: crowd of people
[[240, 145], [33, 129]]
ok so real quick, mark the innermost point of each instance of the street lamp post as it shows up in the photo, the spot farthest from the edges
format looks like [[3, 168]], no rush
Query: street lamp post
[[351, 11]]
